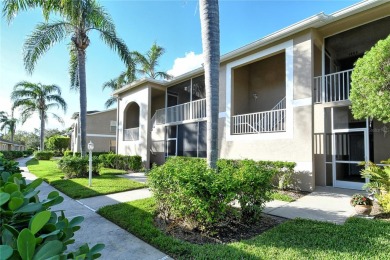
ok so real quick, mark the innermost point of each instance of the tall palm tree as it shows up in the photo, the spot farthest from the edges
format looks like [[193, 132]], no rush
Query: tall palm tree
[[209, 19], [8, 122], [149, 62], [38, 98], [126, 77], [80, 17]]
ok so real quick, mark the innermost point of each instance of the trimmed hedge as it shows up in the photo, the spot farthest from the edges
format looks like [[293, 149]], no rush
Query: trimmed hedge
[[185, 188], [43, 155], [76, 166], [121, 162], [70, 153], [10, 155]]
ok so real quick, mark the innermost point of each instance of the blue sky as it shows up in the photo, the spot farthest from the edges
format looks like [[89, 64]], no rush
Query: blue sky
[[175, 25]]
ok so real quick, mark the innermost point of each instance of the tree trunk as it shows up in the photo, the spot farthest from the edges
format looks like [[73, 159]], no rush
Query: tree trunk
[[83, 102], [42, 134], [13, 126], [209, 19]]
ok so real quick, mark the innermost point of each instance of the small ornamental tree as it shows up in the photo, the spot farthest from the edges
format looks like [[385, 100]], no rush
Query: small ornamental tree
[[58, 143], [370, 92]]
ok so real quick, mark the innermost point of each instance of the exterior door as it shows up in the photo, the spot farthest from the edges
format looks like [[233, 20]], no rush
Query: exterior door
[[350, 148]]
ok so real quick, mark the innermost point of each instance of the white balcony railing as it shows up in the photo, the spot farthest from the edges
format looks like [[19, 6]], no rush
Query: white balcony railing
[[183, 112], [332, 87], [260, 122], [131, 134]]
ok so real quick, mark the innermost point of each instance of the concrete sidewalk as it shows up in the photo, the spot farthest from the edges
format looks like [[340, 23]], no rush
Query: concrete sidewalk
[[324, 204], [119, 244]]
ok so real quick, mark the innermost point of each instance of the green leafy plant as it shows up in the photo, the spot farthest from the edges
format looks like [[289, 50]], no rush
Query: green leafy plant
[[43, 155], [185, 188], [360, 199], [121, 162], [29, 230], [73, 166]]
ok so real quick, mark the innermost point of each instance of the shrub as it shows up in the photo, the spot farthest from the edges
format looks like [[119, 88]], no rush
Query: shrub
[[58, 143], [43, 155], [30, 230], [185, 188], [70, 153], [74, 167], [121, 162], [10, 155], [384, 201]]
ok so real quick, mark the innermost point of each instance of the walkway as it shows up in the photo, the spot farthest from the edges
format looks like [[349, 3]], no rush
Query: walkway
[[119, 244]]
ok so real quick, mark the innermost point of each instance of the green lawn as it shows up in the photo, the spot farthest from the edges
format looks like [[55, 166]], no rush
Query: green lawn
[[295, 239], [282, 197], [78, 187], [109, 171]]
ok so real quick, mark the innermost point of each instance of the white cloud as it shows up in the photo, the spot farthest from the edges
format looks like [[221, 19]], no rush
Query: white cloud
[[189, 62]]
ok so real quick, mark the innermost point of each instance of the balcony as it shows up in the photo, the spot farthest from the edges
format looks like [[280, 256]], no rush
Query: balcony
[[131, 134], [332, 87], [180, 113], [270, 121]]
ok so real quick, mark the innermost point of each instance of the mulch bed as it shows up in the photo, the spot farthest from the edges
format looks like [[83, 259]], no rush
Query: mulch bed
[[233, 230], [230, 231]]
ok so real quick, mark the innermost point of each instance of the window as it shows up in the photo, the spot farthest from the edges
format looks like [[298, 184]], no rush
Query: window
[[112, 126]]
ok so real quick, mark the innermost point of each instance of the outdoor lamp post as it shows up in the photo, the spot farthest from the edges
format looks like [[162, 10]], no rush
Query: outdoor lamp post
[[90, 148]]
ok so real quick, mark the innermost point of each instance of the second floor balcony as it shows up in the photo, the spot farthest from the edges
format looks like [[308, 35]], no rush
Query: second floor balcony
[[332, 87], [180, 113]]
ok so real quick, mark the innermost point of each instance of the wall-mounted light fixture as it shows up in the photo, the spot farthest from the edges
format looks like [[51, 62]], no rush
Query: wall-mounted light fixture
[[255, 96]]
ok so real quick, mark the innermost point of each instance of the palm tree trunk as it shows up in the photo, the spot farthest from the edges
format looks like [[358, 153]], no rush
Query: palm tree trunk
[[83, 101], [13, 126], [42, 134], [209, 19]]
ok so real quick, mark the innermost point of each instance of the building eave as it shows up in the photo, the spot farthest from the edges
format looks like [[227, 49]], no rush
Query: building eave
[[136, 84]]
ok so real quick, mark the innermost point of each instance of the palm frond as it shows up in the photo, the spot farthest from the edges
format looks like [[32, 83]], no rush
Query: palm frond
[[59, 119], [41, 39], [163, 75], [111, 101], [118, 45]]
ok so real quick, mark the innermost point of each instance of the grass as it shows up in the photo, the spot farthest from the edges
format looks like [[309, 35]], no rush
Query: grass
[[283, 197], [77, 188], [109, 171], [295, 239]]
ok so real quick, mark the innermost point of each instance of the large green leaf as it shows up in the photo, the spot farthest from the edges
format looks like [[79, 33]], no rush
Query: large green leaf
[[5, 252], [29, 208], [15, 203], [75, 221], [26, 244], [10, 187], [96, 249], [34, 184], [39, 220], [49, 249], [4, 197], [5, 176]]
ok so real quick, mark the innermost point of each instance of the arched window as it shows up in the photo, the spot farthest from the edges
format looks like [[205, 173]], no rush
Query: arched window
[[131, 122]]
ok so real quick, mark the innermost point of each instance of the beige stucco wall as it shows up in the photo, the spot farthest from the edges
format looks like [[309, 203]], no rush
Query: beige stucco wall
[[139, 95], [98, 131]]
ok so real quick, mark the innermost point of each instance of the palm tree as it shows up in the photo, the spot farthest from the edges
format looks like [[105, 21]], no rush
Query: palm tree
[[8, 122], [38, 98], [209, 19], [126, 77], [149, 62], [79, 19]]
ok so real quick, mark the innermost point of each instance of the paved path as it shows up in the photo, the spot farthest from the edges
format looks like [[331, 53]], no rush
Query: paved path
[[119, 244], [324, 204]]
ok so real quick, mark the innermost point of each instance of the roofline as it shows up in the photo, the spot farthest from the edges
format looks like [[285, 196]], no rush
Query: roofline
[[76, 114], [136, 84], [100, 112], [314, 21], [9, 142]]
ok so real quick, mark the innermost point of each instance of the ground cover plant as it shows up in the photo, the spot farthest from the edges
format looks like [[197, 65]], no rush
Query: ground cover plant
[[78, 187], [28, 227], [294, 239]]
